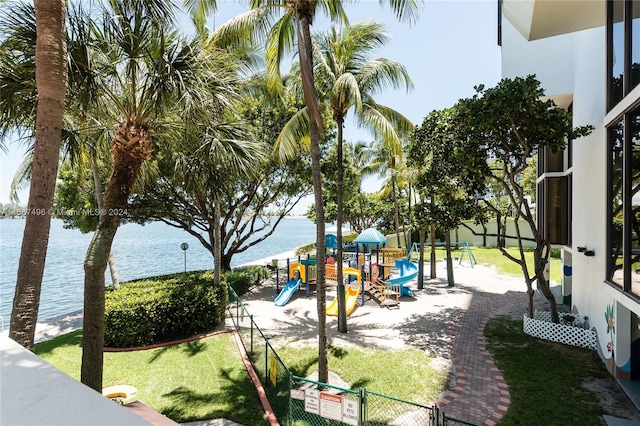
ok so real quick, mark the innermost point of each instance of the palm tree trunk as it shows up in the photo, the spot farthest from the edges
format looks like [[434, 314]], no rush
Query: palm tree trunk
[[51, 81], [217, 243], [306, 66], [342, 309], [115, 282], [397, 212], [130, 148]]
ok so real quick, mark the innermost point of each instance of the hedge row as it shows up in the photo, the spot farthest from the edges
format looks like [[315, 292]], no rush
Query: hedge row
[[158, 309]]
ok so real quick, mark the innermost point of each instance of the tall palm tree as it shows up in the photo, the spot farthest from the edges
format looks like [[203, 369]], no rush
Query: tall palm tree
[[285, 24], [348, 78], [152, 82], [51, 83]]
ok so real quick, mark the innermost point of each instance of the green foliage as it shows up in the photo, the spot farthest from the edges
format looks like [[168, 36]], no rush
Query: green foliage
[[241, 279], [75, 200], [443, 173], [156, 309], [192, 179]]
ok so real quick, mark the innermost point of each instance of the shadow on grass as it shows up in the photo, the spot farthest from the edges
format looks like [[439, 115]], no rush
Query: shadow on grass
[[235, 400], [48, 346]]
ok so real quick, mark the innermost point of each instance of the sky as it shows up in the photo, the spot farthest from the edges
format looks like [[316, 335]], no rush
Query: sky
[[452, 48]]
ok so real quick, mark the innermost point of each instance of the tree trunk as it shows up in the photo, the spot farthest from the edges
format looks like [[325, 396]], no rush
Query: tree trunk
[[115, 282], [51, 81], [433, 243], [130, 148], [217, 244], [316, 128], [539, 265], [450, 279], [397, 212], [421, 260], [342, 309]]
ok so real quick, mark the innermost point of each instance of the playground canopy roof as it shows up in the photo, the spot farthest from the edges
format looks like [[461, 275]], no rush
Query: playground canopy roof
[[370, 236]]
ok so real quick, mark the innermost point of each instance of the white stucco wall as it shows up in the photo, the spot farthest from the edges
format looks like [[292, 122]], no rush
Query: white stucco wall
[[575, 63], [551, 60], [590, 181]]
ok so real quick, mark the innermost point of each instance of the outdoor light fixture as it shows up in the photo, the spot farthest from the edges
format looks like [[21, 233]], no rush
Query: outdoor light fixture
[[586, 251]]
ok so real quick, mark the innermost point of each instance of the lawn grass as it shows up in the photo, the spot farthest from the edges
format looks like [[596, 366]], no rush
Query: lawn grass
[[200, 380], [491, 256], [545, 378], [406, 374]]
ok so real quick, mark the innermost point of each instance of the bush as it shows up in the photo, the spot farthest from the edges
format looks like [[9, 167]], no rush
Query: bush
[[157, 309], [242, 279]]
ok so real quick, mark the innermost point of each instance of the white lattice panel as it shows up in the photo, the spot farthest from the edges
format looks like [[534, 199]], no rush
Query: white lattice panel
[[569, 335]]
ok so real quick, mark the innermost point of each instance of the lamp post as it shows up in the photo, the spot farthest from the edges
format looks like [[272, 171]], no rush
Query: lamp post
[[184, 247]]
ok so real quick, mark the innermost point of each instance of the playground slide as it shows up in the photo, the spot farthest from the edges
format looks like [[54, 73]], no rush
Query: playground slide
[[408, 271], [351, 298], [292, 286]]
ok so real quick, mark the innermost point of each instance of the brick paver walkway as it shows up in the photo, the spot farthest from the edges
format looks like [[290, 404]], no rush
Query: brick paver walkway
[[480, 395]]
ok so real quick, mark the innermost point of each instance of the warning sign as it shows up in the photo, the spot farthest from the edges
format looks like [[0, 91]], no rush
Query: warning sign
[[350, 411], [311, 401], [330, 406]]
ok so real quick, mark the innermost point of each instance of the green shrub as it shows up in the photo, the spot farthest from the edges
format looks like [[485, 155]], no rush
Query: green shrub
[[156, 309], [242, 279]]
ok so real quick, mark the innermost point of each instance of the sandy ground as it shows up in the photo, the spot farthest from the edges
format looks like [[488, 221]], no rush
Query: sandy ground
[[419, 321]]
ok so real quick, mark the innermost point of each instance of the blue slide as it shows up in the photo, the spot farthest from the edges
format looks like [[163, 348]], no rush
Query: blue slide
[[292, 286], [408, 271]]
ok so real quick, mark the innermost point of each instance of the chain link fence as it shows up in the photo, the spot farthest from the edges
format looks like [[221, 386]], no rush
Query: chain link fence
[[272, 372], [298, 401]]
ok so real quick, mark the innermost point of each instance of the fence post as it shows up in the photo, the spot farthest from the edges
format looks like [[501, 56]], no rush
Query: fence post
[[362, 406], [289, 417], [251, 335], [266, 362]]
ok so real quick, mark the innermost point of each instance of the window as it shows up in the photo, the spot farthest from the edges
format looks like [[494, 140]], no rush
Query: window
[[623, 139], [635, 43], [616, 207], [623, 55], [624, 202]]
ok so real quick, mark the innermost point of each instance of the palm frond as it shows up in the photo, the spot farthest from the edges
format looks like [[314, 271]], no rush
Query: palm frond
[[22, 177], [294, 137], [405, 10], [380, 74]]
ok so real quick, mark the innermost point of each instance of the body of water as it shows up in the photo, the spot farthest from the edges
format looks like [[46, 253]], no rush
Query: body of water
[[138, 251]]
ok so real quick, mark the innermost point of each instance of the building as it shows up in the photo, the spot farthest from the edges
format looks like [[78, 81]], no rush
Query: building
[[586, 54]]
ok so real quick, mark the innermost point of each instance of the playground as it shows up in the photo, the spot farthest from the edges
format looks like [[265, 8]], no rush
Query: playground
[[383, 280], [422, 320]]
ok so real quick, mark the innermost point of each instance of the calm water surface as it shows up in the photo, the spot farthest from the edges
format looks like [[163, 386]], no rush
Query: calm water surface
[[139, 251]]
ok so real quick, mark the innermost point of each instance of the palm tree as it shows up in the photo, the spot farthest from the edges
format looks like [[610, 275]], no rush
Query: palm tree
[[51, 83], [294, 28], [153, 83], [349, 79]]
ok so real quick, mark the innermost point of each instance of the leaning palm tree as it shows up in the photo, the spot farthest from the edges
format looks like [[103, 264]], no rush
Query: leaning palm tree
[[285, 24], [51, 82], [348, 78]]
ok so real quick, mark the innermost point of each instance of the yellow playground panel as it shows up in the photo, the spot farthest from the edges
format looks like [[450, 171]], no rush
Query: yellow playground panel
[[332, 273], [302, 268]]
